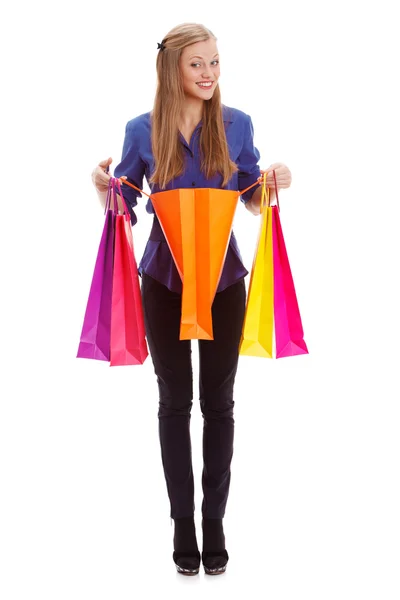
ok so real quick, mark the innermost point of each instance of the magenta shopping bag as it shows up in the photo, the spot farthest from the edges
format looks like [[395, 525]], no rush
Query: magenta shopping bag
[[289, 335], [96, 330]]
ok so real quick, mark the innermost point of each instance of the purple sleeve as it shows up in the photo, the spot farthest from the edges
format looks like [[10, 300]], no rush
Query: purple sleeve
[[247, 162], [132, 166]]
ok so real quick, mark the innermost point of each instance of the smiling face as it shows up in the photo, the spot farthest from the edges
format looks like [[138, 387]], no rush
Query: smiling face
[[199, 64]]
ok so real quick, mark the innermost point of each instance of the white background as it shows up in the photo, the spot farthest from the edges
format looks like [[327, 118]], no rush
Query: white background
[[313, 510]]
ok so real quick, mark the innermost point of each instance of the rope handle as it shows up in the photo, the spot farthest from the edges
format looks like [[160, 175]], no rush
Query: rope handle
[[239, 193], [113, 182], [265, 193]]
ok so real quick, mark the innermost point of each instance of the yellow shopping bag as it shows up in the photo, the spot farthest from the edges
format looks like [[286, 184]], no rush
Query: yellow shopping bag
[[258, 325]]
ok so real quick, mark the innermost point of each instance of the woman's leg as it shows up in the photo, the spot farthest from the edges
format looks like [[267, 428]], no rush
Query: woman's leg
[[218, 366], [173, 367]]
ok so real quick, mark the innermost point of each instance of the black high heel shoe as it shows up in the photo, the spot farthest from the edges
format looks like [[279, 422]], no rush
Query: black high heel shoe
[[215, 563], [214, 555], [186, 554], [187, 563]]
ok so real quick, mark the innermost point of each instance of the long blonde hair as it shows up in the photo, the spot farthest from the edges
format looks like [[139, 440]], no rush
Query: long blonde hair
[[168, 103]]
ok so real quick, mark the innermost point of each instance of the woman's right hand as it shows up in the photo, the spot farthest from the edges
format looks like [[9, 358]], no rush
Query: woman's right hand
[[100, 178]]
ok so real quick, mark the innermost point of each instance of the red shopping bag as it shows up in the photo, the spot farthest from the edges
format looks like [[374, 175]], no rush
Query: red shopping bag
[[128, 342]]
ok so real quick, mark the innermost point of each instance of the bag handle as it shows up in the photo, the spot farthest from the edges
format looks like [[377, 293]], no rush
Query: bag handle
[[239, 193], [126, 211], [265, 192], [111, 192], [108, 199], [276, 191]]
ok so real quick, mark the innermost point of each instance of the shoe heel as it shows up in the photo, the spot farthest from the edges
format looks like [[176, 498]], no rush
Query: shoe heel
[[216, 571]]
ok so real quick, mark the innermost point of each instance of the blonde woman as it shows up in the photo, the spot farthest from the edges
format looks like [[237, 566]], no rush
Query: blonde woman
[[191, 140]]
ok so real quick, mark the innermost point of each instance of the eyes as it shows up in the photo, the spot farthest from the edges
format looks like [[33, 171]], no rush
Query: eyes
[[194, 64]]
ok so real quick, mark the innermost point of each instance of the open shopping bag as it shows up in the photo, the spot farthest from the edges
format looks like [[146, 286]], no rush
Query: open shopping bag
[[113, 327], [197, 224], [271, 302]]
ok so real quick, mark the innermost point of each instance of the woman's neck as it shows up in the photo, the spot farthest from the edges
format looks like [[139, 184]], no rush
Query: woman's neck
[[192, 111]]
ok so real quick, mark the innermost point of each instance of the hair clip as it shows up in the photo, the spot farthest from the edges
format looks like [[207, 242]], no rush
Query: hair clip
[[160, 46]]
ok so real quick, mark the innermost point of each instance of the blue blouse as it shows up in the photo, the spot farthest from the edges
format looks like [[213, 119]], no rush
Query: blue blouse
[[137, 161]]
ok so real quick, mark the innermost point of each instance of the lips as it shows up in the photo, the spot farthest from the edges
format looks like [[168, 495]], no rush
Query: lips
[[208, 85]]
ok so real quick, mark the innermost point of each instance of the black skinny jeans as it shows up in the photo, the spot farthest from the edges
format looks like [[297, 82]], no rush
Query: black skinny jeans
[[218, 360]]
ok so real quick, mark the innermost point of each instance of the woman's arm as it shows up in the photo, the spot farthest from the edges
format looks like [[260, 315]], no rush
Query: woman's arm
[[131, 166]]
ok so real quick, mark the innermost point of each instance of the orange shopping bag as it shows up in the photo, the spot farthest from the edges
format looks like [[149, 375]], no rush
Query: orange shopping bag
[[197, 225]]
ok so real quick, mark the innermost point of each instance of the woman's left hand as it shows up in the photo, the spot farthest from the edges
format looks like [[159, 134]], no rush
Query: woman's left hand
[[282, 174]]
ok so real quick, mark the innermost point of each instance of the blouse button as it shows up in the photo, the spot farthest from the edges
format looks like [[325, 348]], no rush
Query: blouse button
[[193, 183]]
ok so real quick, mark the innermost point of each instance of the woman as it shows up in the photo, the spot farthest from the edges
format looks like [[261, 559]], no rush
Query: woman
[[191, 140]]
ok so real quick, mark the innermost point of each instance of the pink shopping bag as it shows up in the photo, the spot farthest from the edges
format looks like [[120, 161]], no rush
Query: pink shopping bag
[[128, 341]]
